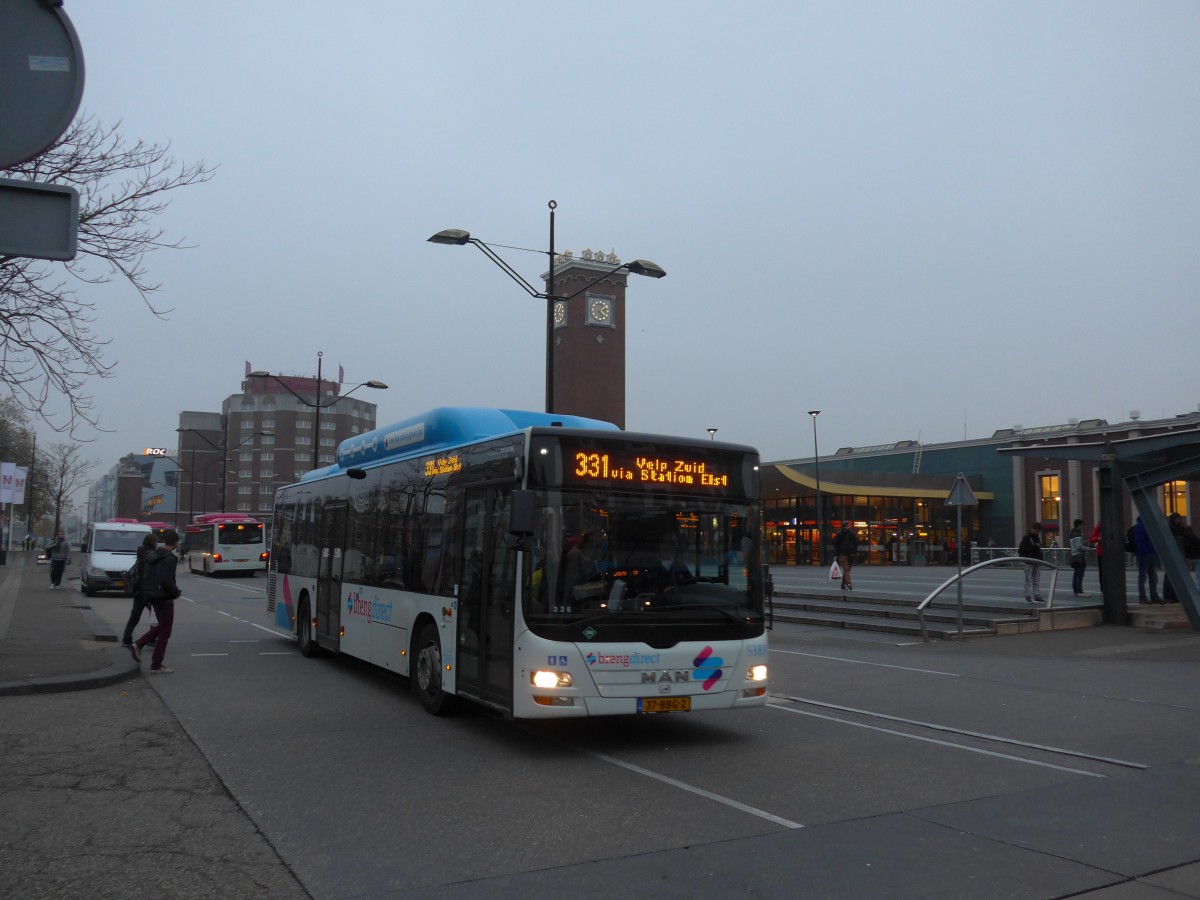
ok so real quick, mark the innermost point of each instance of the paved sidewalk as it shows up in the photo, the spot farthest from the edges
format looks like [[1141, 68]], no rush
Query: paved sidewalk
[[51, 640]]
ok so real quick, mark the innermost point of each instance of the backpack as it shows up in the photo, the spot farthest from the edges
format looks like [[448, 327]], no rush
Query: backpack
[[1130, 543]]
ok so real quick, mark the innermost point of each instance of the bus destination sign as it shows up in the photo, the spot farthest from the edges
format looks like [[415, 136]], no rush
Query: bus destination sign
[[683, 470]]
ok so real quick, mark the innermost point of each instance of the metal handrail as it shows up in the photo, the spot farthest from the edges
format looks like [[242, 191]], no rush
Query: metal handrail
[[1005, 560]]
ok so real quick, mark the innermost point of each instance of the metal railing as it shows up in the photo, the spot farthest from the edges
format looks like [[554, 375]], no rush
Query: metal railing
[[1008, 561]]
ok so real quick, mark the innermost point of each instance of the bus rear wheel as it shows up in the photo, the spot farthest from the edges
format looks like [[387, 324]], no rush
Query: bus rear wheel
[[308, 647], [427, 679]]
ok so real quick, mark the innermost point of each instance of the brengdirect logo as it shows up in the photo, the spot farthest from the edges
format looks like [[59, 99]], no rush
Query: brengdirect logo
[[373, 610], [624, 660]]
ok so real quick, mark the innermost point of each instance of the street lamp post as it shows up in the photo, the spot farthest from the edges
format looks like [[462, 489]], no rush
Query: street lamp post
[[317, 405], [457, 236], [712, 434], [224, 458], [817, 467]]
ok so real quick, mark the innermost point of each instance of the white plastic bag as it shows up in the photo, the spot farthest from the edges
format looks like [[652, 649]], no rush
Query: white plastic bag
[[835, 572]]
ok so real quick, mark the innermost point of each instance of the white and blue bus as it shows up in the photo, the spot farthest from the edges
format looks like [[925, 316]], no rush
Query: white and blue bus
[[540, 565]]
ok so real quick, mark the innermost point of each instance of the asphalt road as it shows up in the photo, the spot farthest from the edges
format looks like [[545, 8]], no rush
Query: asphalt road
[[1039, 766]]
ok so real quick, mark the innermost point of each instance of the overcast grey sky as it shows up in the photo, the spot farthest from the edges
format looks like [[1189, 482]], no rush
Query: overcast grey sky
[[929, 219]]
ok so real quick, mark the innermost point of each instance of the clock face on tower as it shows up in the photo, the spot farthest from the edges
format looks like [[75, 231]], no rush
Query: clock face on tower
[[560, 313], [600, 311]]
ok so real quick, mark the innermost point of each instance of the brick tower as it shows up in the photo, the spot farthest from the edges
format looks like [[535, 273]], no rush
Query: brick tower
[[589, 337]]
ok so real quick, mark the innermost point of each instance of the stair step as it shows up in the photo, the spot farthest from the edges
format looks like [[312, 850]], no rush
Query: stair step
[[907, 613], [879, 624]]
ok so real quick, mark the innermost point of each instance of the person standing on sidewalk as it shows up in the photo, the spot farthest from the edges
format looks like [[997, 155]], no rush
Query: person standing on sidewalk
[[60, 555], [149, 544], [1078, 557], [1147, 562], [1031, 548], [158, 584], [845, 548]]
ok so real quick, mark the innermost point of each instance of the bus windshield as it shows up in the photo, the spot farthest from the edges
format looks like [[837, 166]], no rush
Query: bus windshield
[[240, 534], [603, 558]]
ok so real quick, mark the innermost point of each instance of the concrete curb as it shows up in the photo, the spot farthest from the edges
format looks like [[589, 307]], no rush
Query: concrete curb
[[114, 673]]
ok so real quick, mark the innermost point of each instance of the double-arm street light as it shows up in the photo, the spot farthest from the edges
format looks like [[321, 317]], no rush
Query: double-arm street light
[[457, 236], [192, 470], [317, 405]]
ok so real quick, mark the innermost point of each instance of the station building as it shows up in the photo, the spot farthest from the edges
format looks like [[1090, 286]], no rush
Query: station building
[[895, 494]]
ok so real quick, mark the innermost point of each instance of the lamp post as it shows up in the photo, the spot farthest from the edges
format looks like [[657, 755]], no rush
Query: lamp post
[[712, 434], [817, 466], [457, 236], [317, 405], [192, 471]]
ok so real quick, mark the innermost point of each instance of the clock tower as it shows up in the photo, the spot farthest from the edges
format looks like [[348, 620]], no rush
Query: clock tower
[[589, 336]]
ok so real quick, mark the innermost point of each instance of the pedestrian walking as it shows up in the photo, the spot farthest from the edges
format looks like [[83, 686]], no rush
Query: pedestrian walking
[[1031, 548], [845, 548], [1078, 557], [158, 583], [1147, 563], [60, 555], [140, 603]]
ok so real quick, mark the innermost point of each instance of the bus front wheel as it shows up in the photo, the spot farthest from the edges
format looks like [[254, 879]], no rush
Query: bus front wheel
[[308, 647], [427, 680]]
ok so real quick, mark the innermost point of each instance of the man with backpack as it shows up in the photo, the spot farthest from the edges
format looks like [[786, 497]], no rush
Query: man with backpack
[[135, 576], [158, 587]]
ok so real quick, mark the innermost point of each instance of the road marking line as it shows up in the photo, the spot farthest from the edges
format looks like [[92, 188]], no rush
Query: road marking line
[[861, 662], [975, 734], [692, 789], [210, 654], [953, 746]]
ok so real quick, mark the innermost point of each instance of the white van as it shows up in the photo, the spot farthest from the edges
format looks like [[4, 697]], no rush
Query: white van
[[109, 552]]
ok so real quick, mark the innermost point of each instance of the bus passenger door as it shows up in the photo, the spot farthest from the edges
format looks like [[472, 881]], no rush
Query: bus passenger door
[[331, 538], [485, 599]]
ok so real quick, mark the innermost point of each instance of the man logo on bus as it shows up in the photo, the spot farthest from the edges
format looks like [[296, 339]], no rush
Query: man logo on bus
[[708, 668]]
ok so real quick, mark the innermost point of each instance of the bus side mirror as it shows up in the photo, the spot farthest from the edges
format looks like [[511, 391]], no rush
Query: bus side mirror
[[521, 512], [356, 474]]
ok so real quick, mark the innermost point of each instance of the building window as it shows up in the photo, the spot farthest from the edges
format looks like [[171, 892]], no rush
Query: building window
[[266, 489], [303, 423], [328, 442], [268, 438], [302, 457], [243, 507], [245, 457], [247, 403], [247, 423], [245, 473], [268, 423], [266, 457], [325, 458], [266, 473], [302, 441], [1175, 498], [1049, 499], [328, 426], [265, 506]]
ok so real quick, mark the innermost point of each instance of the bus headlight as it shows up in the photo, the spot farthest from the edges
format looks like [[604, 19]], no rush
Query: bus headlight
[[544, 678], [756, 673]]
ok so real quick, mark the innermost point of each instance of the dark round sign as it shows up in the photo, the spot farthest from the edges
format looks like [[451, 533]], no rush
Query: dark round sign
[[41, 77]]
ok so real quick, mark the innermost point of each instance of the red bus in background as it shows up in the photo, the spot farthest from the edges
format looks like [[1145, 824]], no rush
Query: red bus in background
[[225, 542]]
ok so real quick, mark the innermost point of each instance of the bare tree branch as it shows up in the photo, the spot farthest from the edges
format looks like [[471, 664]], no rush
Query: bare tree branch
[[48, 345]]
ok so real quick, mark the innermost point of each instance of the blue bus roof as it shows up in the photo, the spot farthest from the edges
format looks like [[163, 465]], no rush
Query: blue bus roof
[[441, 429]]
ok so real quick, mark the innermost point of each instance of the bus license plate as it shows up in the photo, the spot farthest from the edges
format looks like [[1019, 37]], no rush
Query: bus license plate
[[664, 704]]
